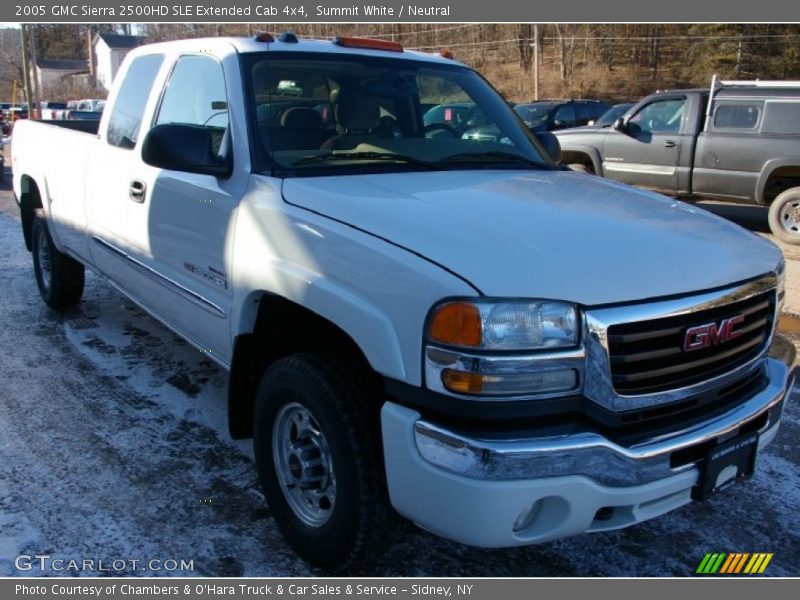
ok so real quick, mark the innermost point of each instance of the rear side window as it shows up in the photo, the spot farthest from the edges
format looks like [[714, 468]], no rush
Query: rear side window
[[584, 113], [126, 116], [565, 114], [781, 117], [736, 116]]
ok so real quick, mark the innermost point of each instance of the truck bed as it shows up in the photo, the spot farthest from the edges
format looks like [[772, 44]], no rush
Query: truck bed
[[84, 125]]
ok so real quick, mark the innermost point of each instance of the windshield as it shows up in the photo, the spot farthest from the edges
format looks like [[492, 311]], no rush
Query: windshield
[[318, 114], [534, 115]]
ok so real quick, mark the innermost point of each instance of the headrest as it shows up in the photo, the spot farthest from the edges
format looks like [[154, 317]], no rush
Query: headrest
[[357, 113], [301, 116]]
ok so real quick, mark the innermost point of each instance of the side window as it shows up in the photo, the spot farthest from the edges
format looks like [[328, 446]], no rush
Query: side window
[[660, 116], [126, 116], [781, 117], [583, 113], [565, 114], [736, 116], [195, 94], [452, 105]]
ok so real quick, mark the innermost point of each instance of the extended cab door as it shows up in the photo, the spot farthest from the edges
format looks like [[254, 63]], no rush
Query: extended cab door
[[731, 152], [110, 167], [647, 151]]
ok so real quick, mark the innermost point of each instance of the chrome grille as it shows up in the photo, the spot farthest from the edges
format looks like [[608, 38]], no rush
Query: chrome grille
[[648, 356]]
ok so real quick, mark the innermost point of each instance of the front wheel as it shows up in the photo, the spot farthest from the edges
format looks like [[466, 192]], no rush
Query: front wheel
[[60, 277], [318, 458], [581, 168], [784, 216]]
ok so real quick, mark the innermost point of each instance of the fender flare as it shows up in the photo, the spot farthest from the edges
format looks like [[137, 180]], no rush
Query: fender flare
[[766, 172], [371, 329], [590, 151]]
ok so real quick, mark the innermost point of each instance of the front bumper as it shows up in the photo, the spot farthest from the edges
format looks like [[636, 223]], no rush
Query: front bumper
[[495, 492]]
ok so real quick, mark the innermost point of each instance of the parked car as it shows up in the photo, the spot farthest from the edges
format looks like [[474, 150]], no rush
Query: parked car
[[454, 117], [89, 104], [52, 110], [546, 115], [552, 115], [734, 141], [503, 351]]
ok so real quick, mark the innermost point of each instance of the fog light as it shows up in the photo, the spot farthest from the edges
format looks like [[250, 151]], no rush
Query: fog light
[[527, 516], [510, 384]]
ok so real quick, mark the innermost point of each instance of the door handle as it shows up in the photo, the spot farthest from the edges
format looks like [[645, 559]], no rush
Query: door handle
[[670, 144], [136, 191]]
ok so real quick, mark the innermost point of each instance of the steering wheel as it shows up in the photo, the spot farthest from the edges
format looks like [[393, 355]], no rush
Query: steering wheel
[[433, 127]]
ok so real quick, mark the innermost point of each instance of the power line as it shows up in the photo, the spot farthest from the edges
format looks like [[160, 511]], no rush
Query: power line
[[515, 40], [420, 32], [616, 41]]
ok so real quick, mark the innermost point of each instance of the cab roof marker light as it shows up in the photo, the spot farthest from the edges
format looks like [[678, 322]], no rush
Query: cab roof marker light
[[367, 44], [446, 54], [264, 37], [287, 37]]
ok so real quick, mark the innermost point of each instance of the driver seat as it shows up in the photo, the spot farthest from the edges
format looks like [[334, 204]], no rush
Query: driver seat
[[357, 116]]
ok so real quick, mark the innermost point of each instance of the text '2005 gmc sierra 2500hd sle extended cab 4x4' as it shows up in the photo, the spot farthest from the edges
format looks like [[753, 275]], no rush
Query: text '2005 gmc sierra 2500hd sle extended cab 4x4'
[[504, 351]]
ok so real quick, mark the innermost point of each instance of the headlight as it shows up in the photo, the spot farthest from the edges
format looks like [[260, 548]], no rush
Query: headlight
[[504, 349], [513, 325]]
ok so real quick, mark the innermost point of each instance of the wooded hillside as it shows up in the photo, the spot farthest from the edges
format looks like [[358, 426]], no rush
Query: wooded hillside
[[605, 61]]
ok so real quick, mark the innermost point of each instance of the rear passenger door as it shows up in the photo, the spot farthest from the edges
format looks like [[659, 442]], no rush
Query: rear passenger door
[[112, 166], [727, 161]]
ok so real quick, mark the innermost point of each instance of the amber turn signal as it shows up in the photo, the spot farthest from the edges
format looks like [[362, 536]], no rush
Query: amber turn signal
[[462, 382], [456, 324]]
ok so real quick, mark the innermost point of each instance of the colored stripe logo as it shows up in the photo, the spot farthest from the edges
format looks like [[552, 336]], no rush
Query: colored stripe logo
[[737, 563]]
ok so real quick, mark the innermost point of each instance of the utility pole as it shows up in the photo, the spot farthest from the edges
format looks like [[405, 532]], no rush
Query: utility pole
[[535, 45], [26, 69], [35, 90]]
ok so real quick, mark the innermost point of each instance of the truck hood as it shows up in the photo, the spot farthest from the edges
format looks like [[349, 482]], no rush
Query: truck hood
[[544, 234]]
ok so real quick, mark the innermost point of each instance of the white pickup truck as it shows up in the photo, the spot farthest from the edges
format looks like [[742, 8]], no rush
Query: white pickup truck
[[504, 351]]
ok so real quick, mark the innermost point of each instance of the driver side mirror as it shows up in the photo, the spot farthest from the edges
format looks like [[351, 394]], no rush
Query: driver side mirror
[[182, 147], [550, 144], [619, 125]]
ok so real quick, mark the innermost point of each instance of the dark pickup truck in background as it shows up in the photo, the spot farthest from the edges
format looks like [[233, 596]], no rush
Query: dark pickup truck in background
[[738, 140]]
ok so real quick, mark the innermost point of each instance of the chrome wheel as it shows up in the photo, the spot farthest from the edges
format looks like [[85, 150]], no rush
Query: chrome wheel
[[45, 261], [303, 465], [790, 216]]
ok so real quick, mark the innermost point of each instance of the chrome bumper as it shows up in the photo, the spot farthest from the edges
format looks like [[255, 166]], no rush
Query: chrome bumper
[[590, 454]]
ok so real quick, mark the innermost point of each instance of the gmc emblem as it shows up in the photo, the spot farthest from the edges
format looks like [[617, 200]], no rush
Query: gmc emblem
[[711, 334]]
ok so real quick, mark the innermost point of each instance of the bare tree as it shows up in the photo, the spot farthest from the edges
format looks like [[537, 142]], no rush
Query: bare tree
[[566, 49], [11, 73]]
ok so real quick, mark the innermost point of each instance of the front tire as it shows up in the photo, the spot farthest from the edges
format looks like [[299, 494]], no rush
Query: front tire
[[60, 278], [318, 457], [784, 216], [581, 168]]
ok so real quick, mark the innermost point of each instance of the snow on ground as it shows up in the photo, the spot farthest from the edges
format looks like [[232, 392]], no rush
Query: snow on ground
[[114, 445]]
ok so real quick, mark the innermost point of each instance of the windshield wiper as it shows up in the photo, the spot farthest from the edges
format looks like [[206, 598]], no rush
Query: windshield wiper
[[494, 156], [383, 156]]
